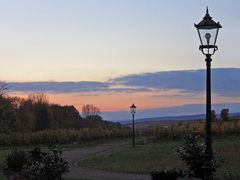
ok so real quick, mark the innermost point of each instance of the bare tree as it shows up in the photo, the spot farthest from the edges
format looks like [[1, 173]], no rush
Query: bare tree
[[3, 88], [90, 110], [38, 98]]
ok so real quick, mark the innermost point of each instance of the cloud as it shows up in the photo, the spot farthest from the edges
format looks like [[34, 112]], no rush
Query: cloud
[[165, 80], [70, 87], [225, 82], [58, 87]]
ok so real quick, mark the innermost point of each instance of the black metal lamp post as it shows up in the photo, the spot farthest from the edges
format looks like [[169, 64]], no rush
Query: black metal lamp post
[[133, 111], [208, 32]]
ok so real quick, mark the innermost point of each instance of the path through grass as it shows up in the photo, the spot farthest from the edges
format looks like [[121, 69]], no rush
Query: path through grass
[[146, 157]]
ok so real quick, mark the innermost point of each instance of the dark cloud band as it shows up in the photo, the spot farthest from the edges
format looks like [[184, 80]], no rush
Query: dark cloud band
[[225, 81]]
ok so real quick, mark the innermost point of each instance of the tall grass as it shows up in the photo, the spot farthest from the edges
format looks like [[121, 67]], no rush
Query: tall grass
[[178, 130], [62, 136]]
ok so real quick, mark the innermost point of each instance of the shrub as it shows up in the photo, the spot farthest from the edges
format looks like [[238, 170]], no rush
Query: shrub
[[192, 154], [228, 175], [15, 163], [49, 166], [36, 165], [163, 174]]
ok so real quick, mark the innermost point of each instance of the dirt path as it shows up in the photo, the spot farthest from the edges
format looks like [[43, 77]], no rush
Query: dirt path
[[75, 155]]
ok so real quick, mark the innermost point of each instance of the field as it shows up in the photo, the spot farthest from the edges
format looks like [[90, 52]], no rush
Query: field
[[146, 157], [110, 151]]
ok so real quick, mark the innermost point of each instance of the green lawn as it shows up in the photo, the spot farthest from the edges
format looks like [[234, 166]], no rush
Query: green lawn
[[148, 156], [3, 154], [141, 159], [145, 157], [228, 155], [5, 150], [76, 178]]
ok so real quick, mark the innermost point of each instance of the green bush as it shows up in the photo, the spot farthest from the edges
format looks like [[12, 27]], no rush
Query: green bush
[[46, 165], [163, 174], [15, 163], [36, 165], [192, 154], [228, 175]]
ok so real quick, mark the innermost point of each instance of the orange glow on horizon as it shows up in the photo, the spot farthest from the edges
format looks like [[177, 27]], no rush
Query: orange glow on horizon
[[120, 101]]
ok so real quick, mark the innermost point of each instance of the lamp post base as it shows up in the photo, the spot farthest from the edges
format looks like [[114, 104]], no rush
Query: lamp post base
[[208, 168]]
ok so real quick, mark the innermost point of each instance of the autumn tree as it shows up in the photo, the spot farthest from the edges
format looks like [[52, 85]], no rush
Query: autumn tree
[[40, 107], [225, 115], [8, 118], [16, 114], [213, 116], [26, 116], [65, 116], [36, 113]]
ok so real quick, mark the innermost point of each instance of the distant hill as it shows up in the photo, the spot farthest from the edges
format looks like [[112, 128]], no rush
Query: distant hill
[[182, 110], [175, 118]]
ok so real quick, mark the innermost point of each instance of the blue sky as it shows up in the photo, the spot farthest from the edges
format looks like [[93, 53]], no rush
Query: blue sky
[[100, 39], [87, 51]]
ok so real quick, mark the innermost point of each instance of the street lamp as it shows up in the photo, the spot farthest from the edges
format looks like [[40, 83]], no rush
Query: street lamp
[[208, 32], [133, 111]]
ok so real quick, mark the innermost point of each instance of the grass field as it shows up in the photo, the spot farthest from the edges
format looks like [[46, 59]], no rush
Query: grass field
[[146, 157], [142, 159], [5, 150]]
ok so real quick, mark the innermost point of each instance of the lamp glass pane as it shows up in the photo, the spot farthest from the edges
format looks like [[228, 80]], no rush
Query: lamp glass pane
[[208, 36], [133, 110]]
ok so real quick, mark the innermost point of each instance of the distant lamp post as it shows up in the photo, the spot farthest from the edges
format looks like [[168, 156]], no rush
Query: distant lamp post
[[133, 111], [208, 32]]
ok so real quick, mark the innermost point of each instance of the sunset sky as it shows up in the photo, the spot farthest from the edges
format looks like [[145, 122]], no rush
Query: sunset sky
[[112, 53]]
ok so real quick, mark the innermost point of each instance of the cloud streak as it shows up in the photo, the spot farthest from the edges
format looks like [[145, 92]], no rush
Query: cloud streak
[[58, 87], [225, 82]]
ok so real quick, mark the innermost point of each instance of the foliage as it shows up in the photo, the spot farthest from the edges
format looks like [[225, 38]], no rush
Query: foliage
[[35, 121], [37, 114], [63, 136], [36, 165], [192, 154], [3, 88], [46, 165], [224, 115], [8, 117], [15, 163], [228, 175], [90, 110], [176, 131], [213, 116], [164, 174]]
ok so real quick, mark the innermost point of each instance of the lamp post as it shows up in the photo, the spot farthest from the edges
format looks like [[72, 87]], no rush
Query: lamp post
[[208, 32], [133, 111]]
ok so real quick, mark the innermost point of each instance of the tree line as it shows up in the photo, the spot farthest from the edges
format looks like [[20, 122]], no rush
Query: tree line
[[224, 115], [35, 113]]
